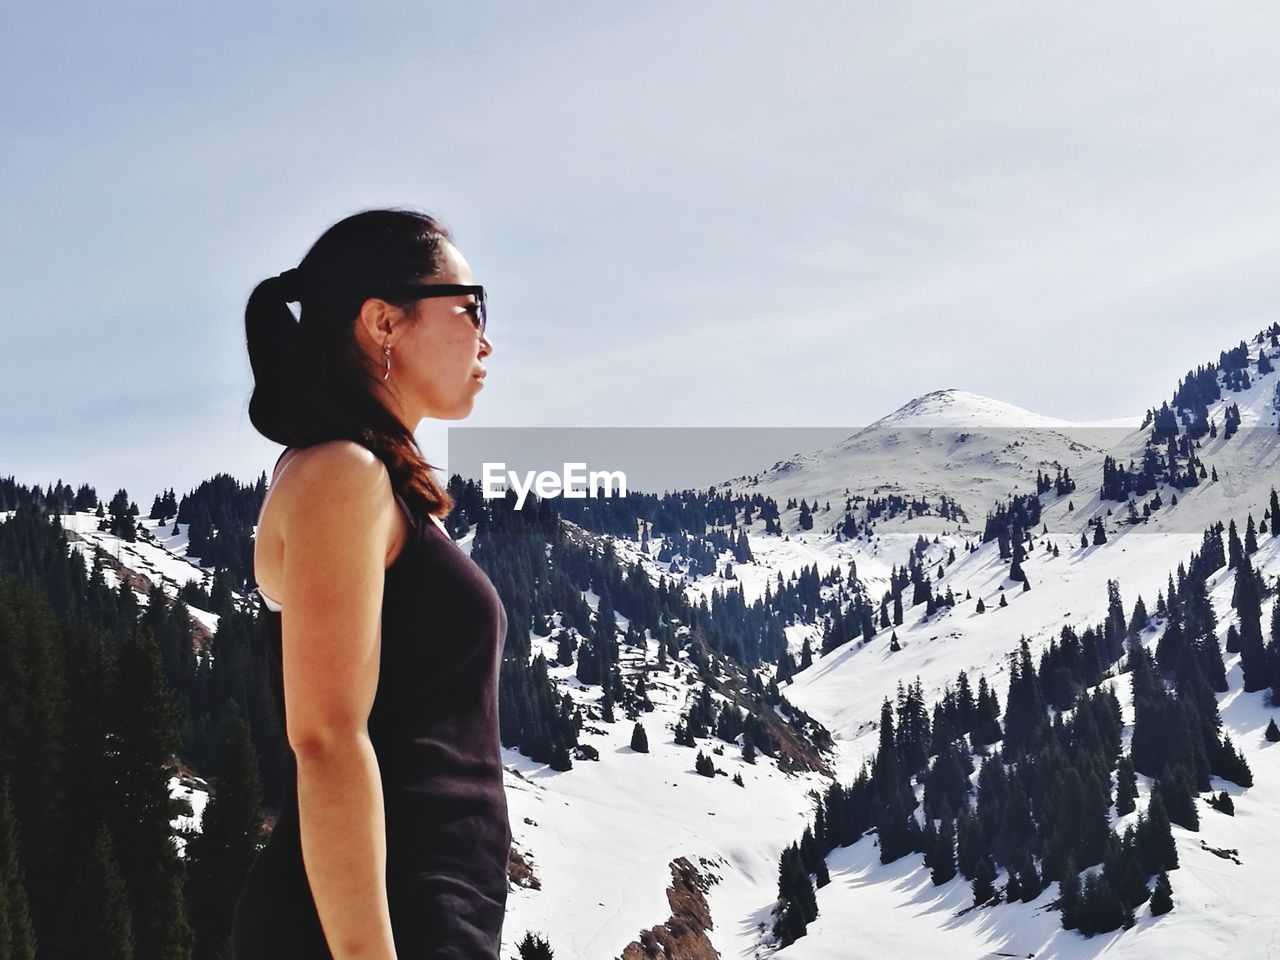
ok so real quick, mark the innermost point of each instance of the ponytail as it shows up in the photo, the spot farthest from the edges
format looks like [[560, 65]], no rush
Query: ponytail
[[272, 337]]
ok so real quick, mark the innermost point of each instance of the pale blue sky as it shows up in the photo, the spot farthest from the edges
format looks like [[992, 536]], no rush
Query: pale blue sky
[[740, 214]]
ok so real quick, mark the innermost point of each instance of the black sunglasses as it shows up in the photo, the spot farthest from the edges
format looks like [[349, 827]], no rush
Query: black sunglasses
[[423, 291]]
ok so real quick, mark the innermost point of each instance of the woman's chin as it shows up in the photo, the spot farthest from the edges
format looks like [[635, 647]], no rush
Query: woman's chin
[[461, 411]]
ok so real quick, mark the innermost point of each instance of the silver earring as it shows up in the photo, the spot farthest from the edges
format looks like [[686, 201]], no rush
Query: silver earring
[[386, 361]]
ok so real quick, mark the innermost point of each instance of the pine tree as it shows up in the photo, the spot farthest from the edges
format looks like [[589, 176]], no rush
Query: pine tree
[[566, 647], [986, 725], [704, 765], [942, 860], [894, 826], [36, 746], [1069, 895], [1231, 764], [1162, 896], [1155, 837], [220, 855], [17, 934], [797, 903], [1176, 790], [971, 842], [1273, 732], [122, 514], [1235, 550], [1029, 879], [1140, 617], [141, 758], [1126, 787], [983, 881], [639, 739], [534, 947], [98, 919], [1247, 600], [1100, 907]]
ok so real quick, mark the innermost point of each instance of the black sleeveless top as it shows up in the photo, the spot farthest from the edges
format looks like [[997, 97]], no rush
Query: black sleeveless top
[[434, 727]]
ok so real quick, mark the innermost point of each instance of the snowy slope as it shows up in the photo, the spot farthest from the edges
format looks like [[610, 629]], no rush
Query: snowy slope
[[870, 909], [601, 837], [603, 834], [1217, 907], [1216, 902]]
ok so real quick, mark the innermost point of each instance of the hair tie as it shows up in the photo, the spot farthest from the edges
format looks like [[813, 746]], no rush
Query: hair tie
[[290, 282]]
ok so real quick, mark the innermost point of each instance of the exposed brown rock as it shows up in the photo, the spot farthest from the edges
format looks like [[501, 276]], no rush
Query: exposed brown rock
[[520, 870], [684, 935]]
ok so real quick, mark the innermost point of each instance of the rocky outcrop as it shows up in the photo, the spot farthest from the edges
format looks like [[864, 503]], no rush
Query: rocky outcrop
[[684, 935]]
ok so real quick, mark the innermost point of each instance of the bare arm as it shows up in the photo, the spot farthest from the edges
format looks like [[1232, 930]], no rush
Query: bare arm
[[337, 521]]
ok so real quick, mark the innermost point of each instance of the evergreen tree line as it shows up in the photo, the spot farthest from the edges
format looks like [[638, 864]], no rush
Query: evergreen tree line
[[222, 513], [542, 569], [1061, 483], [1177, 465], [55, 498], [90, 736], [1178, 425], [1040, 810], [512, 546], [214, 715], [691, 513], [861, 513], [1201, 387], [164, 506]]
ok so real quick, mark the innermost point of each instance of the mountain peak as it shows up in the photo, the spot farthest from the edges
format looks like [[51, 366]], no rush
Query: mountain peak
[[953, 407]]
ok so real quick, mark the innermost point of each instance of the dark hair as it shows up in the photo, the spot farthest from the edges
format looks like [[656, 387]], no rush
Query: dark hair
[[311, 382]]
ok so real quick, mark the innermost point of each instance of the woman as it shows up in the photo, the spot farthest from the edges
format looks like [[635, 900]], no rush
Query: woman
[[386, 638]]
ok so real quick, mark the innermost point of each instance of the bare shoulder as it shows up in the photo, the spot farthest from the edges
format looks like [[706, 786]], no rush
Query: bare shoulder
[[337, 481], [341, 462]]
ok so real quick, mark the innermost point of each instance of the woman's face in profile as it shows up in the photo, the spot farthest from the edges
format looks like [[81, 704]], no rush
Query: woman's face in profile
[[436, 358]]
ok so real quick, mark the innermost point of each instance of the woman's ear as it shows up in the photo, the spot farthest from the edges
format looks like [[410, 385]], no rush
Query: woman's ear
[[376, 323]]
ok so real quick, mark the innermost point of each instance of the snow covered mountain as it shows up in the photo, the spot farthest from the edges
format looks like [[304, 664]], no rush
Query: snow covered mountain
[[948, 443], [630, 850], [871, 909]]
